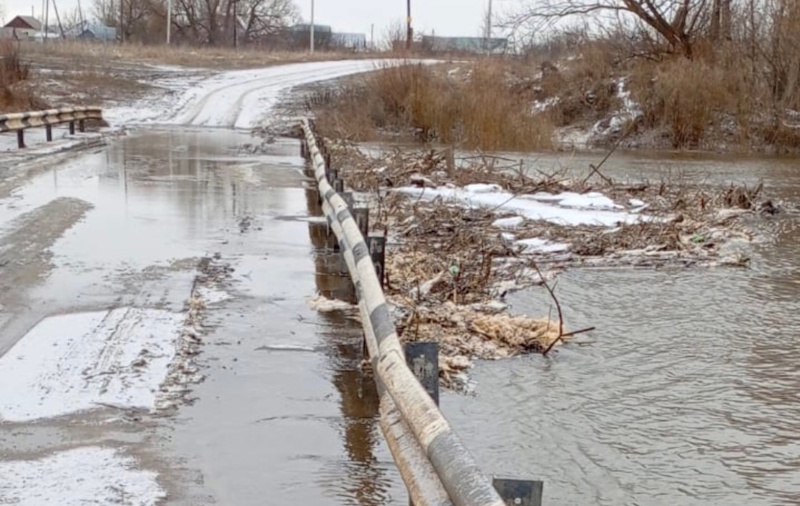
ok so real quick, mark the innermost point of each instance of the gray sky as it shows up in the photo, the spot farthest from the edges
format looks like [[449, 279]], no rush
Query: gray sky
[[446, 17]]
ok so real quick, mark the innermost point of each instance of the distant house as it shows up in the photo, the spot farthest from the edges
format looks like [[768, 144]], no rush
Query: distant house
[[464, 45], [301, 34], [22, 27], [97, 32], [351, 41]]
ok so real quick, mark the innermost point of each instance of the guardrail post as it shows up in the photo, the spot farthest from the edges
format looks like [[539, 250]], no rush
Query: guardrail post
[[327, 159], [48, 133], [519, 492], [423, 360], [20, 139], [333, 175], [347, 197], [303, 149], [81, 125], [377, 252], [72, 128], [332, 240], [338, 187], [361, 215]]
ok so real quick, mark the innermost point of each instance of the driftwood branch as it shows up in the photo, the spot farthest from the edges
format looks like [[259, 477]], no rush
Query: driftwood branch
[[558, 309]]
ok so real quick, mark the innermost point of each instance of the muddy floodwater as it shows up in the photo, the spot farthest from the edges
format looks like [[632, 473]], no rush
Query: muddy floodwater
[[687, 393], [689, 390]]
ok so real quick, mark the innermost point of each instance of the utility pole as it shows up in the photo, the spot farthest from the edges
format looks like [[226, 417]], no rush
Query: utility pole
[[121, 21], [46, 19], [80, 16], [169, 20], [489, 22], [311, 29], [409, 30], [235, 26]]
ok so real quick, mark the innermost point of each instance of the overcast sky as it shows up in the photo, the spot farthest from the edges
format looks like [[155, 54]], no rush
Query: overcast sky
[[446, 17]]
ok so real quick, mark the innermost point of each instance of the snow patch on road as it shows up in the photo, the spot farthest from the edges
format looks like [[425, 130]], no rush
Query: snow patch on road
[[76, 362], [89, 475], [240, 98], [210, 295]]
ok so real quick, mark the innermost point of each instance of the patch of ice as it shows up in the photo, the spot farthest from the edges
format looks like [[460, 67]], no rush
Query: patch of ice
[[537, 245], [582, 211], [76, 362], [482, 188], [89, 475], [590, 200], [509, 223]]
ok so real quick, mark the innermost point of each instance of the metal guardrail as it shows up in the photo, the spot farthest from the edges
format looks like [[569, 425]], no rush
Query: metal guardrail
[[20, 121], [436, 467]]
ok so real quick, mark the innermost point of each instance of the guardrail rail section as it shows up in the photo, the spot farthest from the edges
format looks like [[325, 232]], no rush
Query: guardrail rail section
[[20, 121], [436, 467]]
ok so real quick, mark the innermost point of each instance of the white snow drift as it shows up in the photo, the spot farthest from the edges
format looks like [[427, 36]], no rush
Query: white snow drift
[[76, 362], [89, 475], [568, 209]]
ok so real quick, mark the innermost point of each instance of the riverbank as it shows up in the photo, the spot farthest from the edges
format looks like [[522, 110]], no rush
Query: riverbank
[[583, 101]]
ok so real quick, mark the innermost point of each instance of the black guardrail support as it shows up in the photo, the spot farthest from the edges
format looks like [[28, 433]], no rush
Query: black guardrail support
[[377, 251], [519, 492], [423, 360]]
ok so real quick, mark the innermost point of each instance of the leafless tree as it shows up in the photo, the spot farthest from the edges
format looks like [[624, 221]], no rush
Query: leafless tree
[[679, 23], [135, 15], [211, 22]]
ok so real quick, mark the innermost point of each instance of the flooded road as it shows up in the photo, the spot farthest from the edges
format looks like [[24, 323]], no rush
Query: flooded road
[[687, 393], [283, 415]]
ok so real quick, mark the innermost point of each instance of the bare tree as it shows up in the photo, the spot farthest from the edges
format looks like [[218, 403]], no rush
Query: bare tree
[[212, 22], [679, 23], [262, 18], [134, 22]]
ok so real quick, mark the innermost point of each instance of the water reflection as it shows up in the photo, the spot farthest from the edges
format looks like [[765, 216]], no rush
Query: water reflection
[[367, 482]]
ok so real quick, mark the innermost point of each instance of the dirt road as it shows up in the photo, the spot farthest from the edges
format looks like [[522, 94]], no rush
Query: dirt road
[[156, 340]]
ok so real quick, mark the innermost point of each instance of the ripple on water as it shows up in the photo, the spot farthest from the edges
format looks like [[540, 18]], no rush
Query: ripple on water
[[687, 393]]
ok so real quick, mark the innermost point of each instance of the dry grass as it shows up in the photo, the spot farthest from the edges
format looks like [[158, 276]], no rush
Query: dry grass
[[188, 56], [15, 92], [686, 97], [473, 107]]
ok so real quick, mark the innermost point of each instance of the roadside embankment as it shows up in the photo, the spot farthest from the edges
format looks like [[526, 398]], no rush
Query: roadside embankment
[[590, 98]]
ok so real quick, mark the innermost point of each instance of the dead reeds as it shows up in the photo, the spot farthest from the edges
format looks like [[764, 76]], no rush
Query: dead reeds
[[472, 107], [15, 93]]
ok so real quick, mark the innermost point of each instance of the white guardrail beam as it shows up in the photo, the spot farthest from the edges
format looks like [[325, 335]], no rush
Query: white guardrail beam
[[19, 121], [452, 463]]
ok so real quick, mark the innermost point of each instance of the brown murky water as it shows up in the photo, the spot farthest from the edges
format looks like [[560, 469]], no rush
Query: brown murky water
[[688, 392]]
